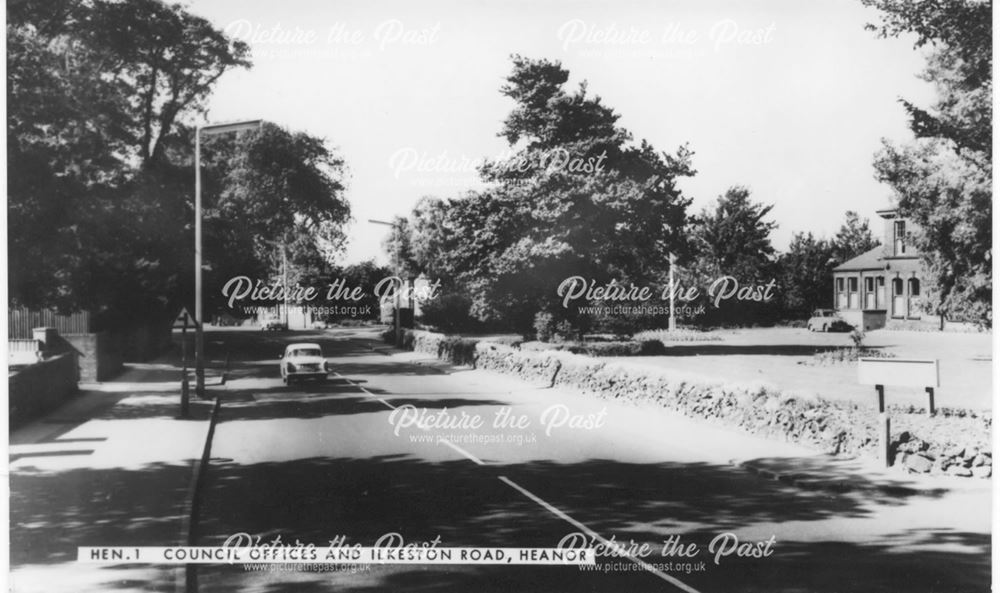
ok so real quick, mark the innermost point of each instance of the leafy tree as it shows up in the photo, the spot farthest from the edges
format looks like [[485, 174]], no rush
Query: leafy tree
[[732, 239], [102, 97], [399, 245], [98, 211], [854, 238], [960, 65], [575, 197], [366, 275], [272, 198], [942, 180], [950, 200], [164, 59], [806, 275], [434, 239]]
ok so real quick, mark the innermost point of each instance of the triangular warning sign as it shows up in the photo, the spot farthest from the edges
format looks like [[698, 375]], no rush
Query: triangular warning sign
[[184, 320]]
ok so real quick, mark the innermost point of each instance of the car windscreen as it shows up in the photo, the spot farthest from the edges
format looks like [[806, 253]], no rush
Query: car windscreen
[[306, 352]]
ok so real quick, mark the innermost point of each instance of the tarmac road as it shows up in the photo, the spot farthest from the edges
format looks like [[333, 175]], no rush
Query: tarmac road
[[322, 461], [343, 460]]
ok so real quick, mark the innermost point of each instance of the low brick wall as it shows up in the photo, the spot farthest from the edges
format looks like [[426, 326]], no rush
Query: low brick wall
[[100, 355], [41, 387], [955, 441]]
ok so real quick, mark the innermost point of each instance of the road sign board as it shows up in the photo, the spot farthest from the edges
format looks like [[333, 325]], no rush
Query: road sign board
[[898, 372], [184, 320]]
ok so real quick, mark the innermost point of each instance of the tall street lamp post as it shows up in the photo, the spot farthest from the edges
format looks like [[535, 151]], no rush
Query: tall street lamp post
[[199, 337], [399, 263]]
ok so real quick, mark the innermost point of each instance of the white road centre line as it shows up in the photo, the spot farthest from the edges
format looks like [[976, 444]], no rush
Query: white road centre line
[[545, 505], [358, 385], [610, 545], [460, 450]]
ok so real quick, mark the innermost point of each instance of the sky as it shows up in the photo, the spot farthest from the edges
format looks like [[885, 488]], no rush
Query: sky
[[786, 97]]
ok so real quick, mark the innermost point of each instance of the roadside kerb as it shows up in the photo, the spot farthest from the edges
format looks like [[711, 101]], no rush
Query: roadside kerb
[[189, 534]]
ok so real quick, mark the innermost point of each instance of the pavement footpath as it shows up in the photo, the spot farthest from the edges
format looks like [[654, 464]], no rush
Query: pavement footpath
[[114, 466]]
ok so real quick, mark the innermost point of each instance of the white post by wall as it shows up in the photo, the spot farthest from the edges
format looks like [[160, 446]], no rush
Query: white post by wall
[[673, 321]]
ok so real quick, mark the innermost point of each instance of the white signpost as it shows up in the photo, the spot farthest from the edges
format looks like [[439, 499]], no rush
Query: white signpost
[[901, 373], [182, 322]]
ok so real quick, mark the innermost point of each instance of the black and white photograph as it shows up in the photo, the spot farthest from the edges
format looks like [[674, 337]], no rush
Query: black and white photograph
[[454, 296]]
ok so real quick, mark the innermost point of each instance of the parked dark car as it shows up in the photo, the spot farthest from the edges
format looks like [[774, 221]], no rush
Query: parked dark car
[[827, 320]]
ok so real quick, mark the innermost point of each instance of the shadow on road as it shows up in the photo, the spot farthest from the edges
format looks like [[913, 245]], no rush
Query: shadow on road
[[314, 500], [323, 400], [53, 512]]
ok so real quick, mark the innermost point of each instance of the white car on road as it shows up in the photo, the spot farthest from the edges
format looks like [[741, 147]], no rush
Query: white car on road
[[303, 361]]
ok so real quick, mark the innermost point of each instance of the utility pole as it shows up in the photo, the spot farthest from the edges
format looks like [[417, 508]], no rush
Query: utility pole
[[399, 272], [673, 321], [199, 319], [284, 272]]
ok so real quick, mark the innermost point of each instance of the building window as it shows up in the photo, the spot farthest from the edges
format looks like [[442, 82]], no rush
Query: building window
[[853, 302], [840, 285], [897, 286], [914, 287], [899, 237], [869, 292]]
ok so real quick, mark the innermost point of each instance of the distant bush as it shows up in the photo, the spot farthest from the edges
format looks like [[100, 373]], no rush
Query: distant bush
[[846, 355], [624, 326], [678, 335], [602, 348], [538, 346], [565, 332], [607, 348], [458, 350], [449, 313], [652, 348], [545, 326], [513, 341]]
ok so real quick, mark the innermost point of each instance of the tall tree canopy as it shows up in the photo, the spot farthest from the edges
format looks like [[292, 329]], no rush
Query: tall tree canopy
[[806, 275], [102, 102], [732, 238], [576, 196], [96, 93], [854, 238], [943, 179], [273, 198]]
